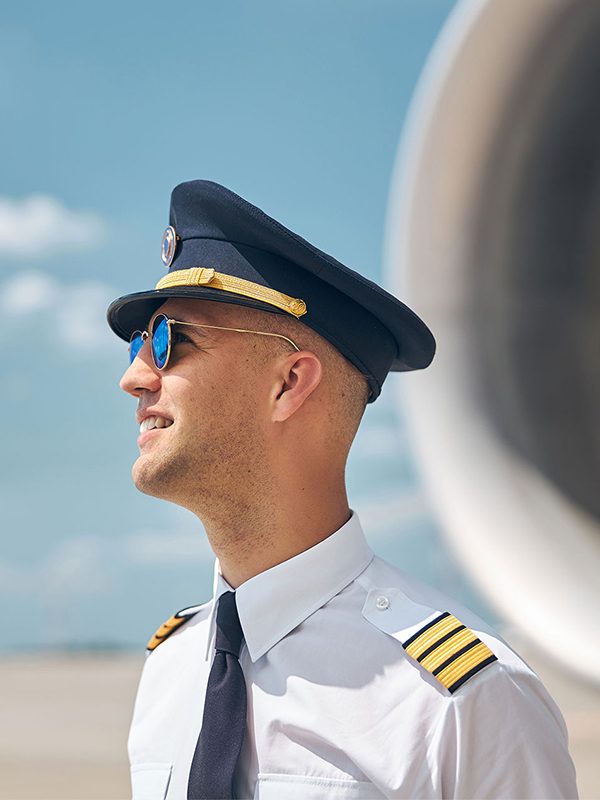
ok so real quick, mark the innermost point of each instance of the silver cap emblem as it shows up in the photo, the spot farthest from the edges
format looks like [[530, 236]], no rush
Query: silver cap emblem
[[169, 243]]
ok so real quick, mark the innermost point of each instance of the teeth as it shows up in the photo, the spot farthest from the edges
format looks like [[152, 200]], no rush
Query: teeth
[[155, 422]]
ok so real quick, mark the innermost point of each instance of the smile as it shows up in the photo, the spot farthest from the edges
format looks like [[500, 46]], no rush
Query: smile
[[154, 422]]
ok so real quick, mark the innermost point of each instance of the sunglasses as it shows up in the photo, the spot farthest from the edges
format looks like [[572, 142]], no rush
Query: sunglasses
[[161, 338]]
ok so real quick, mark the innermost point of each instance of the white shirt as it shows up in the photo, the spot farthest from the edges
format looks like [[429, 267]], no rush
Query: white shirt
[[337, 707]]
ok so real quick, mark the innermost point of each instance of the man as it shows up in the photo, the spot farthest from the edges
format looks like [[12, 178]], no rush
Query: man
[[317, 670]]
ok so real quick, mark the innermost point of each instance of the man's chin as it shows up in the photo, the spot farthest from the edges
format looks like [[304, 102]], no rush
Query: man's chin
[[149, 481], [160, 490]]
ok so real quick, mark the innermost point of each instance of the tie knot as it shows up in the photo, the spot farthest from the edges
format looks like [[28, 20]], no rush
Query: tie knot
[[229, 631]]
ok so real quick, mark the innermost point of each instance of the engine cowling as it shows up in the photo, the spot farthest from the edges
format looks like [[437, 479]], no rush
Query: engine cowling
[[493, 236]]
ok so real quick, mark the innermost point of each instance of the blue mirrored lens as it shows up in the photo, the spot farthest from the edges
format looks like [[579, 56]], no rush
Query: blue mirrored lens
[[135, 345], [160, 341]]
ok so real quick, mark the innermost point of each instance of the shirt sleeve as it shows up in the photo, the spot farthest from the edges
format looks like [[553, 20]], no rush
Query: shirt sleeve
[[502, 736]]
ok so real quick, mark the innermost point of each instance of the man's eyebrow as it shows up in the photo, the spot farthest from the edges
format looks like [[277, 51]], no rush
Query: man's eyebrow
[[199, 328], [188, 322]]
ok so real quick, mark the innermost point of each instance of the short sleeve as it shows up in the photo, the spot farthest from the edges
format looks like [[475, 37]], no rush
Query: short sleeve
[[503, 736]]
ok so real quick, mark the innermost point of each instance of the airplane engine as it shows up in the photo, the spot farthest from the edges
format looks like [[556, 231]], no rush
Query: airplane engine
[[493, 236]]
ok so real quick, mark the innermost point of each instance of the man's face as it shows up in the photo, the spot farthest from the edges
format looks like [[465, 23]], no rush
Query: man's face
[[210, 391]]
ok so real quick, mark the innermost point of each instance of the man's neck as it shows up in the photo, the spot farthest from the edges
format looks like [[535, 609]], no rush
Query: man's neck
[[271, 534]]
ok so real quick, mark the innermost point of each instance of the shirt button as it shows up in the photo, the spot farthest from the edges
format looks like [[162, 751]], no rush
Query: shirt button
[[382, 603]]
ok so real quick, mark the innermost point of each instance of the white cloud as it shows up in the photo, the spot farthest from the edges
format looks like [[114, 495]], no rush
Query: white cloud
[[81, 564], [81, 316], [28, 293], [40, 225], [78, 310], [75, 567]]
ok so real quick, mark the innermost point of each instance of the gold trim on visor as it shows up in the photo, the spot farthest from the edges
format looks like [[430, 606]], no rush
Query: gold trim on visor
[[204, 276]]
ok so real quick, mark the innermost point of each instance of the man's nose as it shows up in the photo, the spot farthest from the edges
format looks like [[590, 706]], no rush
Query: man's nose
[[141, 375]]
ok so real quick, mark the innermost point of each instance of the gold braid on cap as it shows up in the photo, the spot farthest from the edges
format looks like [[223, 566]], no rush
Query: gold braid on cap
[[207, 276]]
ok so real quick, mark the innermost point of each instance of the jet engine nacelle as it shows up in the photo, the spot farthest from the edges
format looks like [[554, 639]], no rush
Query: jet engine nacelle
[[493, 236]]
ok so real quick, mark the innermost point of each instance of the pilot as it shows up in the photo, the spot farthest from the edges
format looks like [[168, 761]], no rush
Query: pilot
[[316, 669]]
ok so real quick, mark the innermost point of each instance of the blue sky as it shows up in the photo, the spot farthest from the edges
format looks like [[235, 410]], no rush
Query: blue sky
[[297, 106]]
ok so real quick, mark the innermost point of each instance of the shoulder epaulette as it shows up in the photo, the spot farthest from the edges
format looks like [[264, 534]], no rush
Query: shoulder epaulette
[[449, 650], [171, 625]]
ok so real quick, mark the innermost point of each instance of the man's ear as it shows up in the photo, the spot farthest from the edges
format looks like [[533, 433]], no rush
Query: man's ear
[[297, 378]]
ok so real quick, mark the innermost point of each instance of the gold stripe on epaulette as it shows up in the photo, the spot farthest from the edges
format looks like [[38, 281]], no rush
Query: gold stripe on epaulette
[[432, 634], [165, 630], [449, 650], [171, 625], [207, 276], [465, 666]]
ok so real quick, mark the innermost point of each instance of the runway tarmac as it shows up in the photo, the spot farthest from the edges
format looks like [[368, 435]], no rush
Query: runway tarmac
[[65, 718]]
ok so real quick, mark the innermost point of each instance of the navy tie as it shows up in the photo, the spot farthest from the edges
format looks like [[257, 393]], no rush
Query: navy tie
[[224, 721]]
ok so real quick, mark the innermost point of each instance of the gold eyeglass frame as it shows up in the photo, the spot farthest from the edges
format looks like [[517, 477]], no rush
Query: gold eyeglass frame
[[170, 322]]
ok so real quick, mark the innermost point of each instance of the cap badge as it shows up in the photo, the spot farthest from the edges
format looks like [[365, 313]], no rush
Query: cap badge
[[169, 243]]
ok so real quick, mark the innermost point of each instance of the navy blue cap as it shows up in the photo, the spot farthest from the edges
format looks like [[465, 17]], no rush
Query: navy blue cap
[[220, 247]]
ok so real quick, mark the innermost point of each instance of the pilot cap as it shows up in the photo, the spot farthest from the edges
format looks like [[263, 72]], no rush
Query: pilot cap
[[220, 247]]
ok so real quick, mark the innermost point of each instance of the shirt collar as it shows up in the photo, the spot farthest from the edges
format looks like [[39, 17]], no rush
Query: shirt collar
[[274, 602]]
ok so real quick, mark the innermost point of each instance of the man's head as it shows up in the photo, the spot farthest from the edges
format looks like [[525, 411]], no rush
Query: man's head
[[252, 417], [219, 247], [243, 406]]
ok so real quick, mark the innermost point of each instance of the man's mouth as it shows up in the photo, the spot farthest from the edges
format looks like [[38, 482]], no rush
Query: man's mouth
[[154, 422]]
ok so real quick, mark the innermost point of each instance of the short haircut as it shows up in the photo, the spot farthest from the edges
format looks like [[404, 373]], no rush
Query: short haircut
[[345, 385]]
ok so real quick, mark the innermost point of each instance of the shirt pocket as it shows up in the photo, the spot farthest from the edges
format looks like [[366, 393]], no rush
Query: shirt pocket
[[150, 781], [271, 786]]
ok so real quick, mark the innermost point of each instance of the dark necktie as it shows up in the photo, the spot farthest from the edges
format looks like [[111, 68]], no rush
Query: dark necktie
[[224, 721]]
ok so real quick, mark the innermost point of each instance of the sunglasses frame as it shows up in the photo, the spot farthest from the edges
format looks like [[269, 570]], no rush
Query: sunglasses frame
[[145, 334]]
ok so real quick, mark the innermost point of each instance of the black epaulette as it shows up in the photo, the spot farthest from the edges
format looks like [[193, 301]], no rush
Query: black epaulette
[[171, 625]]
